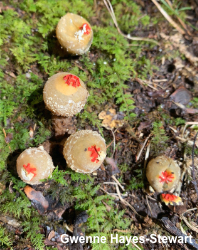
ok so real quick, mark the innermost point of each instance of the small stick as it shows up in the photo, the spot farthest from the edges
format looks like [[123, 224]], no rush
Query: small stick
[[125, 202], [139, 154], [160, 80], [135, 245], [114, 143], [168, 18], [118, 183], [189, 210], [179, 19], [188, 224], [147, 155], [5, 140], [111, 12], [113, 195], [188, 123], [193, 166], [148, 205]]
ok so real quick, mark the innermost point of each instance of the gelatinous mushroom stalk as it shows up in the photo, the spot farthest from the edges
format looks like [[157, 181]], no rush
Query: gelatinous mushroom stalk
[[74, 33], [65, 94], [85, 151], [163, 173], [33, 165]]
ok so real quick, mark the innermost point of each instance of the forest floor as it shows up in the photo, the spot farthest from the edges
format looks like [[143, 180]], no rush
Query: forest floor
[[147, 91]]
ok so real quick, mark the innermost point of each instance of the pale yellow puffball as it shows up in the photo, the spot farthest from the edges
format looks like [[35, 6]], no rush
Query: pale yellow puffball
[[84, 151], [33, 165], [163, 173], [65, 94], [74, 33]]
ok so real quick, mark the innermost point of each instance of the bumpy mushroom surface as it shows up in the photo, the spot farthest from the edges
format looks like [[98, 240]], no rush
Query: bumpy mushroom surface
[[163, 174], [65, 94], [85, 151], [74, 33], [34, 164]]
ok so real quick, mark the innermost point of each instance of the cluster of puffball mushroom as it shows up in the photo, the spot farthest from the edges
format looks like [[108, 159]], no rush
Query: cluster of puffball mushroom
[[65, 94]]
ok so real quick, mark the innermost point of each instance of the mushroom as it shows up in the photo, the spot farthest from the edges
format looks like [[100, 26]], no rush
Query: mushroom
[[163, 174], [74, 33], [171, 199], [65, 94], [84, 151], [34, 164]]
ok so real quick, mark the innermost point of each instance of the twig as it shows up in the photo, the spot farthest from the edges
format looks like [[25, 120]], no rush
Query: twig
[[188, 123], [149, 205], [160, 80], [121, 199], [168, 18], [118, 183], [108, 182], [109, 144], [179, 19], [108, 193], [121, 231], [139, 154], [114, 144], [135, 245], [193, 166], [189, 210], [188, 224], [111, 11], [148, 83], [125, 202], [179, 186], [189, 143], [5, 139], [147, 155]]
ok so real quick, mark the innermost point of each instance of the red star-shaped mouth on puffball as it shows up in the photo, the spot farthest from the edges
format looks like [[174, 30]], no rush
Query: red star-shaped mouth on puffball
[[86, 28], [166, 176], [94, 153], [29, 169], [72, 80]]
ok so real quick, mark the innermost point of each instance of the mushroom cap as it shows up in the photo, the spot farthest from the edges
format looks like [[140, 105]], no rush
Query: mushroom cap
[[63, 99], [34, 161], [67, 32], [163, 173], [85, 151]]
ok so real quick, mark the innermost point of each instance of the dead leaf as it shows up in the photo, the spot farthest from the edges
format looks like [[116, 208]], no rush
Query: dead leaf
[[181, 95], [48, 242], [191, 111], [31, 132], [37, 198], [11, 73], [111, 119], [10, 221], [51, 235]]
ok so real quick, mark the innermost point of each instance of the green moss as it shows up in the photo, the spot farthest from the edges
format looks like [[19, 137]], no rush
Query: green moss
[[27, 45], [5, 240], [159, 139]]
